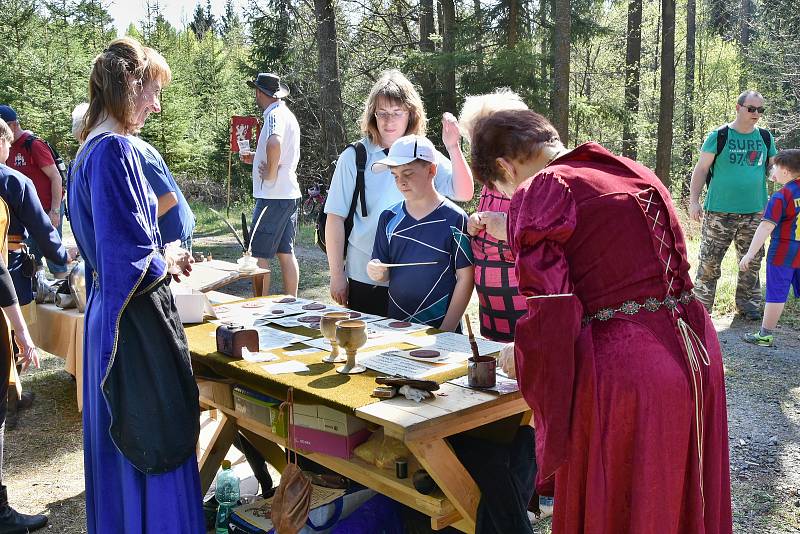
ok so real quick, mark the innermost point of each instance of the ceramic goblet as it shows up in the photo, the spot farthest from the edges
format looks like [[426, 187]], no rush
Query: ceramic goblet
[[351, 335], [327, 325]]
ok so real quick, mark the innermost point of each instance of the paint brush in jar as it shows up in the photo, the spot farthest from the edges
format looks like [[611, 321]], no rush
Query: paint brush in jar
[[472, 343]]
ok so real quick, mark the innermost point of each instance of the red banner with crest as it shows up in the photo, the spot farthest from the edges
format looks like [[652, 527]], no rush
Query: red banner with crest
[[243, 129]]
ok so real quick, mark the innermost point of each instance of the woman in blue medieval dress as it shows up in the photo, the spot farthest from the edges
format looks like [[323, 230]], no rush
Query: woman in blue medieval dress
[[140, 416]]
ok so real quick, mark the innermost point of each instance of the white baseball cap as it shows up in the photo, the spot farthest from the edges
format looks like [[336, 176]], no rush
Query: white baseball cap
[[405, 150]]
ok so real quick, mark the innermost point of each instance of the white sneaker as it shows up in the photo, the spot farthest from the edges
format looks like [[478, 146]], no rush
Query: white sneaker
[[545, 510], [546, 506]]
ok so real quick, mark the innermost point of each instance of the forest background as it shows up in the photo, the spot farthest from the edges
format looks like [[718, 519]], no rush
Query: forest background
[[648, 79]]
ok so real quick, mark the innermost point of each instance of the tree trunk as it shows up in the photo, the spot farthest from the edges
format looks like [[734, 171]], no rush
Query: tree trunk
[[448, 49], [544, 54], [744, 38], [633, 56], [688, 118], [512, 34], [561, 44], [479, 33], [428, 74], [330, 97], [667, 97]]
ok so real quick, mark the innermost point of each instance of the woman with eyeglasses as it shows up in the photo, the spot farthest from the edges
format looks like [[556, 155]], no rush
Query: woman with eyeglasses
[[394, 109], [618, 360]]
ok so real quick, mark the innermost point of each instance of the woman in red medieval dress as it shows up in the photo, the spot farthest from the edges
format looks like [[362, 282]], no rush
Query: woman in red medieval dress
[[619, 362]]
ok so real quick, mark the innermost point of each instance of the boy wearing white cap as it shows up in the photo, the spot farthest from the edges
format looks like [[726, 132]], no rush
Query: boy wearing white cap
[[428, 231]]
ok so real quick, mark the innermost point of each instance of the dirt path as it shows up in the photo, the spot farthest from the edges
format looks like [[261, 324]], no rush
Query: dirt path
[[44, 458]]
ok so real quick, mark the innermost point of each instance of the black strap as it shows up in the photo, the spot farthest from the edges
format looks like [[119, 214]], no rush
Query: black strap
[[722, 140], [360, 188], [767, 138]]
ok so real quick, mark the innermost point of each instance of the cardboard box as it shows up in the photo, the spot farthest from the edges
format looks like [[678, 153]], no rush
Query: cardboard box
[[252, 407], [314, 440], [320, 417], [192, 305], [219, 393]]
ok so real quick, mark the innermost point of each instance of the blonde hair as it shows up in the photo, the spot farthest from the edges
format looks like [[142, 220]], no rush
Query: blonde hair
[[78, 115], [394, 87], [478, 106], [157, 67], [117, 75], [5, 132]]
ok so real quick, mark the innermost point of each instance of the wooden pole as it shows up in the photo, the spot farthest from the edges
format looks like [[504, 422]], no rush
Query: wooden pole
[[228, 201]]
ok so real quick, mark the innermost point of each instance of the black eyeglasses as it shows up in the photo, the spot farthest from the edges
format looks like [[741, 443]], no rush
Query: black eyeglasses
[[755, 109]]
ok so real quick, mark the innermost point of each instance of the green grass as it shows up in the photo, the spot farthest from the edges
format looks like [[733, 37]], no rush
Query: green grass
[[209, 224]]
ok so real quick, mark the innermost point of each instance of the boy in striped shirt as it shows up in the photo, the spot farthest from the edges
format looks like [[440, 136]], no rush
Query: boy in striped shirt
[[783, 257]]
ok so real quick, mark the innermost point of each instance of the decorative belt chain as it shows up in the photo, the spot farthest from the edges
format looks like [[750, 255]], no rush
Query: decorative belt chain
[[631, 307]]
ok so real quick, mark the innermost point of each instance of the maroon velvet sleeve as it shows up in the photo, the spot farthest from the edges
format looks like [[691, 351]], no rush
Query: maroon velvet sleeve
[[542, 218]]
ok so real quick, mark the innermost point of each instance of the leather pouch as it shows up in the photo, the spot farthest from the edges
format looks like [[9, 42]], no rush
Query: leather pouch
[[292, 500], [232, 338]]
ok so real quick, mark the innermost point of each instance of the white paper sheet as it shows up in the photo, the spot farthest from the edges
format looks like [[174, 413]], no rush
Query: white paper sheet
[[452, 342], [256, 357], [374, 339], [291, 366], [294, 320], [443, 357], [271, 338], [383, 324], [303, 352], [396, 366]]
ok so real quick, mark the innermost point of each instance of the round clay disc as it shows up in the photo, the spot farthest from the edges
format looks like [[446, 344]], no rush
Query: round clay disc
[[309, 319], [355, 315], [276, 312], [399, 324], [314, 306], [254, 304], [287, 300], [424, 353]]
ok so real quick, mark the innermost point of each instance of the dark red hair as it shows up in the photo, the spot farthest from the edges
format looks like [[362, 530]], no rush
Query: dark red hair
[[514, 135]]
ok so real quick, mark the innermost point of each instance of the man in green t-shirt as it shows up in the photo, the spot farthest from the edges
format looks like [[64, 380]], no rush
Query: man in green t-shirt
[[733, 161]]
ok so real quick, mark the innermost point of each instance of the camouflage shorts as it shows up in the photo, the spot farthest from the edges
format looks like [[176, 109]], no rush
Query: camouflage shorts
[[719, 230]]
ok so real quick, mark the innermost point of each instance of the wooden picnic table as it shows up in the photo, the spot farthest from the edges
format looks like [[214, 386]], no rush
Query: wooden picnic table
[[60, 332], [215, 274], [423, 427]]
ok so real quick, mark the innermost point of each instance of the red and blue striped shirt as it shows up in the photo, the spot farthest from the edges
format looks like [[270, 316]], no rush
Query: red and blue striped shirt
[[783, 209]]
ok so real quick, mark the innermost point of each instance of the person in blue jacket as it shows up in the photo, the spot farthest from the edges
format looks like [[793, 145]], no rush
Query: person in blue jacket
[[21, 349], [27, 218]]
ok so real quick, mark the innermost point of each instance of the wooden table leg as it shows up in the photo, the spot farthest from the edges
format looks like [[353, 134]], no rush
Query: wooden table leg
[[272, 452], [438, 459], [215, 452]]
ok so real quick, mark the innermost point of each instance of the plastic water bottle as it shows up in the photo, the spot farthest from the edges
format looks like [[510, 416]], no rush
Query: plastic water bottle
[[227, 496]]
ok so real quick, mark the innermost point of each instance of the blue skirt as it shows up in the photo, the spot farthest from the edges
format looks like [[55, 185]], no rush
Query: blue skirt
[[119, 498]]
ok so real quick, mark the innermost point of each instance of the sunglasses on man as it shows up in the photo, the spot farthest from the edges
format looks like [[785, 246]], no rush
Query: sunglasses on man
[[755, 109]]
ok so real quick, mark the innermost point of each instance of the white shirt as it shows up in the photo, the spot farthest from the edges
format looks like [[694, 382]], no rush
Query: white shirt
[[381, 193], [281, 122]]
